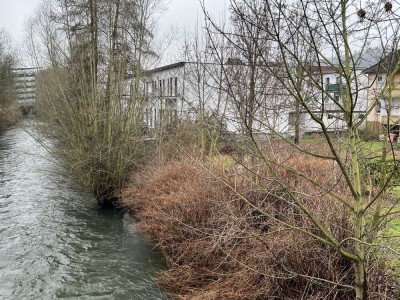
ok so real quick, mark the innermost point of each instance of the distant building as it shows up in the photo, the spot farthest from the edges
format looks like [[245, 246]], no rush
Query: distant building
[[384, 84], [25, 84]]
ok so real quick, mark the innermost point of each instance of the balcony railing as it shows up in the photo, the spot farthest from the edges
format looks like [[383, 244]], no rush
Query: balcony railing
[[332, 87]]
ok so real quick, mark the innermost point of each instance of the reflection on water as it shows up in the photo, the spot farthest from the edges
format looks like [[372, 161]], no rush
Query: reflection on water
[[54, 241]]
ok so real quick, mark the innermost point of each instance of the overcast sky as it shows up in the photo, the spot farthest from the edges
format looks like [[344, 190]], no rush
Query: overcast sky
[[180, 14], [13, 14]]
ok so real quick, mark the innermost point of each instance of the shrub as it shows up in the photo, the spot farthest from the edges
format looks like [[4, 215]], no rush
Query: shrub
[[224, 236], [392, 169]]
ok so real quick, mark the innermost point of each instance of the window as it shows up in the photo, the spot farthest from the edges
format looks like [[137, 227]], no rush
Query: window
[[336, 96], [167, 90], [169, 112], [150, 116], [327, 80], [378, 107], [176, 86], [379, 82], [169, 87]]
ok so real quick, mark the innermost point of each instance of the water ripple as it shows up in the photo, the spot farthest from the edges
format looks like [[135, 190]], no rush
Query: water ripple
[[54, 242]]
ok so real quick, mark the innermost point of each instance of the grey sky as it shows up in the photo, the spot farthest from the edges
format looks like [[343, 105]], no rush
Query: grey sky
[[185, 12], [180, 20], [180, 13], [13, 14]]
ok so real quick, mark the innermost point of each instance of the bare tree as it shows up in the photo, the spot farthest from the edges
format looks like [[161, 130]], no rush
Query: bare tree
[[292, 43]]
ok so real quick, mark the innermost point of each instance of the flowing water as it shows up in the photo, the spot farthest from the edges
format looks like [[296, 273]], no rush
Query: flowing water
[[54, 241]]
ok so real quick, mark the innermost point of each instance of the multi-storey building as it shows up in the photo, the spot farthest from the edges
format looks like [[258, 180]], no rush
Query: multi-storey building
[[207, 90], [226, 92], [326, 101], [25, 84], [384, 93]]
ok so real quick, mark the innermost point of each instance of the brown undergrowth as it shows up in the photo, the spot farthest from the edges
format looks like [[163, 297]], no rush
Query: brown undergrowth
[[232, 232]]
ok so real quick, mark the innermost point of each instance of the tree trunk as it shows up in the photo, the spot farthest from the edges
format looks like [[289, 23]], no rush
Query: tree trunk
[[361, 281]]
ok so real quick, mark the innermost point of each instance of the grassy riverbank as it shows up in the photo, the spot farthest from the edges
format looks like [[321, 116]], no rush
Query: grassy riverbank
[[228, 232]]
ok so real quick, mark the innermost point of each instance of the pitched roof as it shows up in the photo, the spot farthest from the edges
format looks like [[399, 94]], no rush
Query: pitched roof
[[315, 69], [387, 64]]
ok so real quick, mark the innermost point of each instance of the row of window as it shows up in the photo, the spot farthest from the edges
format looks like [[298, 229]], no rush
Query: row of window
[[167, 113], [382, 104], [301, 117], [163, 87], [155, 117], [379, 81]]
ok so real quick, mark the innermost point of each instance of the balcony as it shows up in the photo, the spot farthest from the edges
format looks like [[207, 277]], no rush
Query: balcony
[[392, 120], [332, 87]]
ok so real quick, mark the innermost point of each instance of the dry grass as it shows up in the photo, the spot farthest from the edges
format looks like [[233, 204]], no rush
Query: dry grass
[[224, 230]]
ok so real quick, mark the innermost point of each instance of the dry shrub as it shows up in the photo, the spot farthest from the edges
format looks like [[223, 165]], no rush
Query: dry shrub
[[225, 237], [10, 113], [178, 140]]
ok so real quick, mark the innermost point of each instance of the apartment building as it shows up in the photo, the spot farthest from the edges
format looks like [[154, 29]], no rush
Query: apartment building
[[326, 101], [25, 84], [196, 91], [384, 93]]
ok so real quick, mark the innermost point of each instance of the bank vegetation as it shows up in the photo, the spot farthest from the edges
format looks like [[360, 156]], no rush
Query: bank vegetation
[[9, 109], [230, 230], [89, 50]]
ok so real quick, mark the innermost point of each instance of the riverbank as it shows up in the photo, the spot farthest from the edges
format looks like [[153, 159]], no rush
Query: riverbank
[[224, 231], [10, 114]]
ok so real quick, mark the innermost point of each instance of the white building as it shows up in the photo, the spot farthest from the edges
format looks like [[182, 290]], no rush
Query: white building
[[384, 94], [25, 84], [190, 89], [326, 105]]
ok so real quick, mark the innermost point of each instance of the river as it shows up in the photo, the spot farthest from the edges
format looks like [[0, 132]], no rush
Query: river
[[56, 243]]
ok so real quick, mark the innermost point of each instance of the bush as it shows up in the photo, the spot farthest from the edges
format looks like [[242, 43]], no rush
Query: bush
[[392, 169], [95, 137], [221, 230]]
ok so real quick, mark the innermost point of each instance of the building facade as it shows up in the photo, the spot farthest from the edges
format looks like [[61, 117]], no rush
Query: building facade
[[25, 83], [227, 93], [327, 101], [384, 94]]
